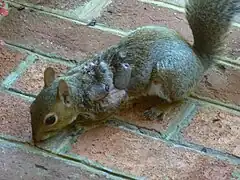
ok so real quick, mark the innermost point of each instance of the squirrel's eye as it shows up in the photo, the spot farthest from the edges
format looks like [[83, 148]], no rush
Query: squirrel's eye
[[50, 120]]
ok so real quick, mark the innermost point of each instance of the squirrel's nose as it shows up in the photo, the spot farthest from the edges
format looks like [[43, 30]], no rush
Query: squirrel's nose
[[34, 135], [35, 138]]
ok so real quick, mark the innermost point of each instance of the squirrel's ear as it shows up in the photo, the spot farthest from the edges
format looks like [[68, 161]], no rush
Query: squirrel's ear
[[63, 93], [49, 76]]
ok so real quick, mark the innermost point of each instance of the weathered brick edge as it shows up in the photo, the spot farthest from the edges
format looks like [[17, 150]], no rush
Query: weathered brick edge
[[173, 134]]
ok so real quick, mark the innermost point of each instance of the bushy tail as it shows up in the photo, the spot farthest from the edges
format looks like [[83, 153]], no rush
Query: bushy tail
[[210, 21]]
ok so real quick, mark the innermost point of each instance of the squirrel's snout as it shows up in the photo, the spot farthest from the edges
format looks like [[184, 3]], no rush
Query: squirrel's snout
[[35, 137], [39, 136]]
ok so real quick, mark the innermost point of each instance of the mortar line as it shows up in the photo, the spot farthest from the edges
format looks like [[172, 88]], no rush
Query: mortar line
[[44, 56], [218, 154], [209, 104], [98, 166], [31, 148], [39, 53], [63, 142], [30, 97], [17, 72], [175, 7], [233, 159], [229, 64], [40, 8], [16, 91], [90, 164], [67, 141], [17, 94], [12, 138], [215, 102], [77, 21], [67, 144], [185, 120], [116, 120], [236, 174], [229, 61]]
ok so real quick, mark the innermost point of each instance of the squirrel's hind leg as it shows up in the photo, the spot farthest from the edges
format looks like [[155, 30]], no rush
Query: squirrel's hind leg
[[158, 112]]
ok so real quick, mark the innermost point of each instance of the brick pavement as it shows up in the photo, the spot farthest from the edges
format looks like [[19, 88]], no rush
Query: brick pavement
[[199, 139]]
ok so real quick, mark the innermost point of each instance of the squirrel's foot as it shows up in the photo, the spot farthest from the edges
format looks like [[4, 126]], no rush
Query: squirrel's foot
[[158, 112], [154, 114]]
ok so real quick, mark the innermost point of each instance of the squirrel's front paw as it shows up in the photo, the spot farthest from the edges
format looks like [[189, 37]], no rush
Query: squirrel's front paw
[[154, 114]]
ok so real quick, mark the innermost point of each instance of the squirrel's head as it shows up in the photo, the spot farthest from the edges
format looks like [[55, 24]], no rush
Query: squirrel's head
[[52, 109], [62, 99]]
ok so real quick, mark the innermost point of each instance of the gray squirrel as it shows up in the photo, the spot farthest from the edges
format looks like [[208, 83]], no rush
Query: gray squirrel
[[149, 61]]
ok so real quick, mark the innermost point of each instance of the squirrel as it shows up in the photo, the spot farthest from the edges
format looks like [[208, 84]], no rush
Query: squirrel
[[149, 61], [85, 92]]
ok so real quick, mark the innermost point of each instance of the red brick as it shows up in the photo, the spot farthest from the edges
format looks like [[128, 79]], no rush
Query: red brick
[[9, 59], [134, 114], [15, 162], [147, 157], [15, 117], [32, 80], [215, 128], [53, 35], [131, 14], [57, 4], [221, 84]]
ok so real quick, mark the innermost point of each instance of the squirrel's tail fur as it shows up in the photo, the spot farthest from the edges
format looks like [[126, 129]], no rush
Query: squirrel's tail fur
[[210, 21]]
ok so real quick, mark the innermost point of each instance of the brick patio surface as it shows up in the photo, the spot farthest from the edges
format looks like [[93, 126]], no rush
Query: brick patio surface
[[197, 140]]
